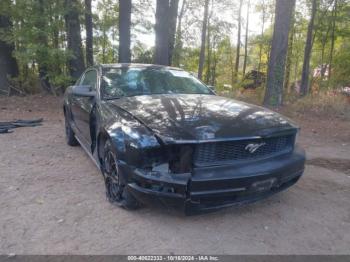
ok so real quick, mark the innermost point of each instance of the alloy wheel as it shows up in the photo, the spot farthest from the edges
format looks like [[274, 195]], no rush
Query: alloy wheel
[[111, 173]]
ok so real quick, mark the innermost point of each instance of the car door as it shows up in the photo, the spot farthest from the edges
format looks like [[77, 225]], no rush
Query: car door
[[82, 106]]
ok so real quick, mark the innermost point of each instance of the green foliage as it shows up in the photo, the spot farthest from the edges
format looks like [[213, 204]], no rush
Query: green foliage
[[27, 83], [39, 35], [106, 35], [342, 66], [142, 54], [225, 54], [192, 59]]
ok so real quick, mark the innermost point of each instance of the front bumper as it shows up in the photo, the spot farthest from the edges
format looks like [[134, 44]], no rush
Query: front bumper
[[212, 188]]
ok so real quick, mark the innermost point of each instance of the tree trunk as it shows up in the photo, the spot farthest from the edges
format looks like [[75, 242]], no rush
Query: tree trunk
[[76, 61], [104, 45], [246, 40], [232, 65], [161, 56], [124, 31], [238, 48], [210, 46], [213, 70], [304, 88], [208, 73], [55, 20], [286, 84], [173, 9], [279, 47], [296, 73], [178, 41], [323, 49], [8, 64], [334, 16], [262, 35], [42, 41], [89, 34], [203, 40]]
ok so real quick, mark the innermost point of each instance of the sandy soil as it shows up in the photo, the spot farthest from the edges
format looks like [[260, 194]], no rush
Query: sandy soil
[[52, 200]]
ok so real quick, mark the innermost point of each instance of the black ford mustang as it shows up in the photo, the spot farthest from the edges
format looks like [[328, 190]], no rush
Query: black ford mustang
[[159, 135]]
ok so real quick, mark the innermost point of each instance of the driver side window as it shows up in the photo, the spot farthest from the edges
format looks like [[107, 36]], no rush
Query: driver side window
[[90, 78]]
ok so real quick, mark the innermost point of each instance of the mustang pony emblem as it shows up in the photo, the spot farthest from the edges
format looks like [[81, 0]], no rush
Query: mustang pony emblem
[[253, 147]]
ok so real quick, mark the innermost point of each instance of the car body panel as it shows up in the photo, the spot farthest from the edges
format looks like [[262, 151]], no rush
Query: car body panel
[[211, 189], [81, 109], [202, 117]]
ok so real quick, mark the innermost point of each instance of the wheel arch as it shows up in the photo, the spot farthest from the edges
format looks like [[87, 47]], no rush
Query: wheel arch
[[102, 137], [65, 109], [93, 126], [67, 112]]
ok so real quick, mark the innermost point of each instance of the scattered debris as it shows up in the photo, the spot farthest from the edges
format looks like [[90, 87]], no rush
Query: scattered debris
[[6, 127], [253, 79], [346, 90]]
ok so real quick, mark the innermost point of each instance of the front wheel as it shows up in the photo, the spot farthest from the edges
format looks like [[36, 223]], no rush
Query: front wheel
[[115, 181]]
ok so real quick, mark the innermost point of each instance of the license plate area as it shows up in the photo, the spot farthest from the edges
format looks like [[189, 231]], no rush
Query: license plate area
[[264, 185]]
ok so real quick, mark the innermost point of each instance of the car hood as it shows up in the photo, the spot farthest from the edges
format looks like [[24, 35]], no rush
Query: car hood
[[201, 117]]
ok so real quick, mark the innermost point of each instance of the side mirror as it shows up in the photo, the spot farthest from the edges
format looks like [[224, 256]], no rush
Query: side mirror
[[83, 91]]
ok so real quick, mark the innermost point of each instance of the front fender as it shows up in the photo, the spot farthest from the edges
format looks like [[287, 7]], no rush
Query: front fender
[[132, 142], [131, 139]]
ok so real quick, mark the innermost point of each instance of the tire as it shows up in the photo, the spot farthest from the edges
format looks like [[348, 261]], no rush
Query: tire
[[115, 182], [70, 136]]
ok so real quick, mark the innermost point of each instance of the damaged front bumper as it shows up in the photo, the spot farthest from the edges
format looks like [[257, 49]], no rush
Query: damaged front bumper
[[212, 188]]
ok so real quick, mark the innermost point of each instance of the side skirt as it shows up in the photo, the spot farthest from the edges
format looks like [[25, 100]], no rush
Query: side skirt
[[88, 153]]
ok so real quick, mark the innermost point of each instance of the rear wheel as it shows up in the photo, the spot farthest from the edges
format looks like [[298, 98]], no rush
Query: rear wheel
[[70, 136], [115, 182]]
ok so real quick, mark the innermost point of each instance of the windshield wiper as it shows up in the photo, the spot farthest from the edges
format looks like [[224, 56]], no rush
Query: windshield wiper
[[112, 98]]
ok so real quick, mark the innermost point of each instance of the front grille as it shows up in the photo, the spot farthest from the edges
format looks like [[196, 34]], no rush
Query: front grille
[[212, 153]]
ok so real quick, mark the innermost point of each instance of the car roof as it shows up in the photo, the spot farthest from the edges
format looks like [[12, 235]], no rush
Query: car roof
[[135, 65]]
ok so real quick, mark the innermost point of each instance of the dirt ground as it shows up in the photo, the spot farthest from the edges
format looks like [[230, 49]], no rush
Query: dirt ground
[[52, 200]]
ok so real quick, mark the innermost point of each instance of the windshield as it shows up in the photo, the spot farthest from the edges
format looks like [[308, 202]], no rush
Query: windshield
[[128, 81]]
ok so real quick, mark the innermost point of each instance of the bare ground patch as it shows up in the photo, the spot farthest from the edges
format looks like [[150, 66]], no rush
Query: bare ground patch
[[341, 165], [52, 200]]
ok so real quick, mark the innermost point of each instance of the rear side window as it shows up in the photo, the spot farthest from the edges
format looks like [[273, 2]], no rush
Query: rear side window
[[90, 78]]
